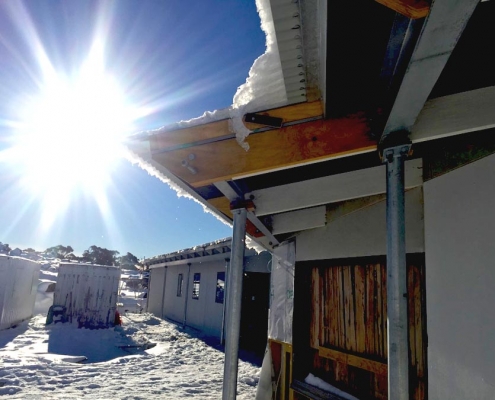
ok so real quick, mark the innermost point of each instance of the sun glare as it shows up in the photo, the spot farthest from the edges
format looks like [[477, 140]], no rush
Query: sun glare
[[69, 135]]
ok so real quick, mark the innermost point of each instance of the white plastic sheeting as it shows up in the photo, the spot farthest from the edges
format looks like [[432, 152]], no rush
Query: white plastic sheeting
[[282, 293], [89, 294], [18, 287]]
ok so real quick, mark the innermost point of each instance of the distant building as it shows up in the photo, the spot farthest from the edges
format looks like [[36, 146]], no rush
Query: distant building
[[15, 252], [188, 287]]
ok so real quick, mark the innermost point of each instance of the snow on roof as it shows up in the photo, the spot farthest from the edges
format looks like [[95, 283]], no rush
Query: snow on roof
[[264, 87], [189, 252]]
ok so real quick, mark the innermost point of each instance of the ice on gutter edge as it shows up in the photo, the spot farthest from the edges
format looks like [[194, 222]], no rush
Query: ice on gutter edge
[[158, 172]]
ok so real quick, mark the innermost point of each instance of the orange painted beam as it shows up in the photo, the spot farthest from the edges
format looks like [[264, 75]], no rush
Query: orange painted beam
[[271, 150], [413, 9]]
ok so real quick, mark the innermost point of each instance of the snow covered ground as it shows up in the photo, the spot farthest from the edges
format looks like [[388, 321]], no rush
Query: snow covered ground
[[60, 361], [38, 361]]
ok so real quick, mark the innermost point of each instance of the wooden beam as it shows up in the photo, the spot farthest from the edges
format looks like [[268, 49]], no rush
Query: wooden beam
[[175, 137], [356, 361], [330, 189], [412, 9], [269, 151], [441, 31]]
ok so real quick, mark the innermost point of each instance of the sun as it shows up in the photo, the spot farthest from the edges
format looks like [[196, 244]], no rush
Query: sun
[[70, 134]]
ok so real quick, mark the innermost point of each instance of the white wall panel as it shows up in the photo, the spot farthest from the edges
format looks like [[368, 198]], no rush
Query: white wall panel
[[460, 282], [155, 296], [18, 287], [362, 232]]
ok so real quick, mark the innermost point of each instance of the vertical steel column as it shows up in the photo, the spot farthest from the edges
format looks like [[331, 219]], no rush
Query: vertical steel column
[[398, 359], [187, 294], [234, 298]]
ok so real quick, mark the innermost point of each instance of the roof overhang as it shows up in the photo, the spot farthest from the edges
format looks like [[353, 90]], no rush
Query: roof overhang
[[385, 68]]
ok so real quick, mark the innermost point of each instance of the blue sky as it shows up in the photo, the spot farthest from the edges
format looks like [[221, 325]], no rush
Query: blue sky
[[176, 58]]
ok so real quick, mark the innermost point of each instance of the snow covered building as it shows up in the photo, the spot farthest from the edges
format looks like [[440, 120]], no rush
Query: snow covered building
[[18, 287], [372, 185], [188, 287], [88, 294]]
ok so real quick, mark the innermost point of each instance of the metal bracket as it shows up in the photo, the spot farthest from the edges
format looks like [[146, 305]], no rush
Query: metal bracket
[[396, 144], [240, 203], [263, 120]]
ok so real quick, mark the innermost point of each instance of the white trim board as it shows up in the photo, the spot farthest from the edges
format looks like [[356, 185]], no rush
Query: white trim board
[[330, 189], [455, 114]]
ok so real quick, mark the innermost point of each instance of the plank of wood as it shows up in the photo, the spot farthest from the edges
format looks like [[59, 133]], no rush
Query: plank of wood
[[341, 307], [315, 333], [356, 361], [370, 311], [212, 130], [349, 309], [332, 303], [360, 309], [294, 112], [412, 9], [384, 331], [271, 150]]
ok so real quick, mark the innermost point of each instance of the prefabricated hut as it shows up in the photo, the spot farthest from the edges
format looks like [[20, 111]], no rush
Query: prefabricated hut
[[18, 287], [88, 294], [373, 187], [188, 287]]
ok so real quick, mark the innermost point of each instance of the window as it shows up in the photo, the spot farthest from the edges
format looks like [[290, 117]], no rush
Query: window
[[220, 294], [179, 285], [196, 281]]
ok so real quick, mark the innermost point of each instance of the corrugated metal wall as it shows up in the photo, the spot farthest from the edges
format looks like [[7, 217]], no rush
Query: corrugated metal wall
[[18, 286], [89, 293]]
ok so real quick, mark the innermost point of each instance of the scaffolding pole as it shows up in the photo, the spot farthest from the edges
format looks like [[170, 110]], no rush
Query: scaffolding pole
[[233, 310], [398, 358]]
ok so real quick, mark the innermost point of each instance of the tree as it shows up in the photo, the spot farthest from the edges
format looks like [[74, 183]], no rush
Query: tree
[[128, 261], [72, 256], [100, 255], [59, 251], [29, 250]]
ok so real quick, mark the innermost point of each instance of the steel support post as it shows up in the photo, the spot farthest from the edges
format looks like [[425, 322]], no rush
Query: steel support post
[[398, 359], [233, 310]]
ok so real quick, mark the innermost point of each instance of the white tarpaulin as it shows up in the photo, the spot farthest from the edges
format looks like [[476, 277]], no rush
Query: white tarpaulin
[[18, 287], [88, 293], [282, 293]]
